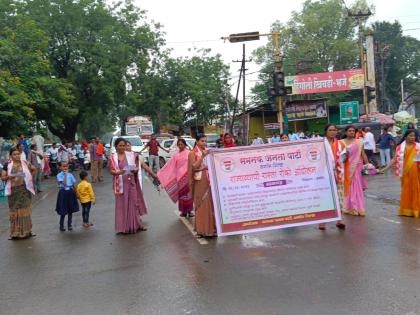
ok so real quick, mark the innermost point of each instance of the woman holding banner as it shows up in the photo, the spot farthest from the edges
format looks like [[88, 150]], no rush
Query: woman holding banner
[[354, 183], [200, 188], [337, 148]]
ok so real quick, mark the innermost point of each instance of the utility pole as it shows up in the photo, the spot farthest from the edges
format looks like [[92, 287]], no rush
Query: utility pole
[[361, 19], [243, 69], [278, 68]]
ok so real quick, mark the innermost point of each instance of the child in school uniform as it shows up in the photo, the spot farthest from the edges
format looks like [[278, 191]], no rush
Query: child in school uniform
[[67, 199], [86, 196]]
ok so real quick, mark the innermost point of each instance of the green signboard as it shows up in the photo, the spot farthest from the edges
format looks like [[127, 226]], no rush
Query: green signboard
[[349, 112]]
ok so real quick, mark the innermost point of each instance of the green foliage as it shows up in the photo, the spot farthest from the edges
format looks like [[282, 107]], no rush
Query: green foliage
[[186, 89], [397, 58], [319, 38]]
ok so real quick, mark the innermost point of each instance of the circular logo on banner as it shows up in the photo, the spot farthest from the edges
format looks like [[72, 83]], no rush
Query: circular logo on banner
[[227, 164], [313, 155]]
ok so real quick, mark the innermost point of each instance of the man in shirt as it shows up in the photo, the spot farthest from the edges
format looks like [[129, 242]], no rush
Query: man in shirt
[[385, 141], [53, 159], [369, 144], [23, 141], [97, 160], [257, 140], [33, 158], [153, 145], [275, 138]]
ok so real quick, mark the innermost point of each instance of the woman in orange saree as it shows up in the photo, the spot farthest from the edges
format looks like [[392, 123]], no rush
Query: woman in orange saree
[[407, 167]]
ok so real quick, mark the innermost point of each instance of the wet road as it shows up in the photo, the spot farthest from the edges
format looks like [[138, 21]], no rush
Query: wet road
[[371, 268]]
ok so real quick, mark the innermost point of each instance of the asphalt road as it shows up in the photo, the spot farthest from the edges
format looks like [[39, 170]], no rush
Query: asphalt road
[[371, 268]]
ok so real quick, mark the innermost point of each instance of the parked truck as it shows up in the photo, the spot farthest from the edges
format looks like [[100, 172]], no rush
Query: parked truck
[[139, 125]]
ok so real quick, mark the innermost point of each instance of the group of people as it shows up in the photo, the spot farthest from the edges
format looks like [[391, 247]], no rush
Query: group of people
[[185, 177]]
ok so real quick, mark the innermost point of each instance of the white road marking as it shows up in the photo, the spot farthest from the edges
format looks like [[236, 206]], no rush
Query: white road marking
[[391, 221], [187, 223], [189, 226]]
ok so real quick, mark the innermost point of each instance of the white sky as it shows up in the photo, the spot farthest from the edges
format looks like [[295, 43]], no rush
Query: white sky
[[200, 24]]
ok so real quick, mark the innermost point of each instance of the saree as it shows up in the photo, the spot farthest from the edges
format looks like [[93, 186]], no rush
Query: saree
[[410, 185], [354, 183], [173, 176], [203, 203], [19, 198]]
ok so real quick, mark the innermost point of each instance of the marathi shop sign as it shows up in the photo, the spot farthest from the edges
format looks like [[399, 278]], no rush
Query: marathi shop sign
[[301, 110], [272, 186], [326, 82]]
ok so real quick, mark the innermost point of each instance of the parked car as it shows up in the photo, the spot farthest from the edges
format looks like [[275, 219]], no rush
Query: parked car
[[212, 139], [136, 143], [169, 144]]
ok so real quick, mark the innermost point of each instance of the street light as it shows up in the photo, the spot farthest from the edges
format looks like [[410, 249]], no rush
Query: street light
[[242, 37]]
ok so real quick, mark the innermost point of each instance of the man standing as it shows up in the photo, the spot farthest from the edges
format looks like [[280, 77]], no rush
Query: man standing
[[219, 142], [370, 145], [33, 158], [97, 160], [53, 159], [257, 140], [23, 141], [153, 145], [385, 141], [38, 140]]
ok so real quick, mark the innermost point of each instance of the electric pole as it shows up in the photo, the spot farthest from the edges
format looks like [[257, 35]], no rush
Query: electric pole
[[361, 19], [243, 69]]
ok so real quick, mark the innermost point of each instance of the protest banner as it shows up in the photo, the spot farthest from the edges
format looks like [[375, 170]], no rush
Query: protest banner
[[272, 186]]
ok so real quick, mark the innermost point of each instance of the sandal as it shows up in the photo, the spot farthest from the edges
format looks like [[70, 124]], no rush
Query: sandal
[[321, 227], [341, 226]]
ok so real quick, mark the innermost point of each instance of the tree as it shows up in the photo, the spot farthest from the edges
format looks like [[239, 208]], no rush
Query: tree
[[26, 81], [186, 89], [96, 49], [397, 58], [319, 38]]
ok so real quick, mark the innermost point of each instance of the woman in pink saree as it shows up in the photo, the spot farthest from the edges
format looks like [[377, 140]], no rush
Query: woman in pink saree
[[354, 183], [174, 178]]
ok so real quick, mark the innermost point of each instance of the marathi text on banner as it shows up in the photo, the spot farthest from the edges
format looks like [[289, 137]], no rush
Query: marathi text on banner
[[272, 186], [326, 82]]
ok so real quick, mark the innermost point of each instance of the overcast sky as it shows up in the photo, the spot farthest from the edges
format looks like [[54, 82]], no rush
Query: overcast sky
[[200, 24]]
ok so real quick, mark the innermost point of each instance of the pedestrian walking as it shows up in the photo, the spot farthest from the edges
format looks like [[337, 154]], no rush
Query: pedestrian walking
[[24, 142], [129, 200], [407, 167], [53, 159], [335, 148], [413, 127], [19, 189], [369, 145], [385, 142], [63, 155], [33, 159], [174, 178], [67, 198], [80, 155], [97, 152], [153, 145], [39, 140], [86, 196], [200, 187], [354, 183]]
